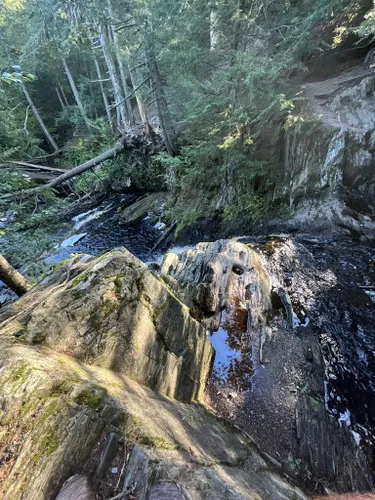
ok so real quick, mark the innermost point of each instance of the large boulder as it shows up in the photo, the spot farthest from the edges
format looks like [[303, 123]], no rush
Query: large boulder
[[113, 312], [58, 419], [213, 277], [150, 205], [295, 346]]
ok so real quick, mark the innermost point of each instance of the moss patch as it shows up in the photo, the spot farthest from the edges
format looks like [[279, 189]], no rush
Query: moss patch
[[22, 373], [91, 397], [80, 278], [158, 443]]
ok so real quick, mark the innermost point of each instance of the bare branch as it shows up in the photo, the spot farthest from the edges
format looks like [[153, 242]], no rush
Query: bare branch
[[132, 93]]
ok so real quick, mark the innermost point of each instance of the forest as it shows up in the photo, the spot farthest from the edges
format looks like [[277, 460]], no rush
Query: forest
[[208, 88], [187, 267]]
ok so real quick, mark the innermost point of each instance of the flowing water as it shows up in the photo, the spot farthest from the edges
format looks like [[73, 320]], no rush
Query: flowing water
[[94, 232], [317, 346], [98, 231], [257, 390]]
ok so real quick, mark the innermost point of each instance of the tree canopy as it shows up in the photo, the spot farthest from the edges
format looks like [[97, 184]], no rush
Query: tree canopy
[[76, 74]]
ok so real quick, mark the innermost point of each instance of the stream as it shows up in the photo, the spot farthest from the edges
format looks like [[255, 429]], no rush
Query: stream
[[94, 232], [97, 231]]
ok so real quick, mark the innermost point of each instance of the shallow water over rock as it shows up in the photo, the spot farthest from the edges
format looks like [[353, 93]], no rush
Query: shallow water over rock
[[294, 337]]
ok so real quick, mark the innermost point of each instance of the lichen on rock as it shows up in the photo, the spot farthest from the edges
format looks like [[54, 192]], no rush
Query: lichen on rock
[[115, 313]]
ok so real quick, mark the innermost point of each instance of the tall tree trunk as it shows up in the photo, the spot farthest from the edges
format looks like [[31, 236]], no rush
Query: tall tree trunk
[[12, 278], [120, 65], [104, 95], [63, 94], [59, 97], [119, 103], [125, 88], [214, 27], [88, 76], [77, 97], [141, 105], [169, 135], [48, 136], [237, 27]]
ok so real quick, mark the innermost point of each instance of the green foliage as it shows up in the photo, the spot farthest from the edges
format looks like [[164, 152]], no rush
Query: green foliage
[[16, 76], [247, 207], [233, 96], [10, 181], [23, 249], [367, 27], [31, 233], [146, 174], [82, 148]]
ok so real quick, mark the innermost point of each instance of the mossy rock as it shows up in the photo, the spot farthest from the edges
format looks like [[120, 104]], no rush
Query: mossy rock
[[59, 412]]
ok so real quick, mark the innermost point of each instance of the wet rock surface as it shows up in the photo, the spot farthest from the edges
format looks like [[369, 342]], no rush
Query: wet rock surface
[[301, 379], [150, 205], [212, 276], [292, 321], [102, 232]]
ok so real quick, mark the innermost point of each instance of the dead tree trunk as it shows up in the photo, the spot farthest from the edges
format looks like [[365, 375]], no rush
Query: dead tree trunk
[[59, 98], [141, 105], [167, 129], [107, 155], [63, 94], [121, 68], [104, 95], [69, 174], [119, 101], [120, 65], [77, 97], [12, 278], [214, 28], [42, 125]]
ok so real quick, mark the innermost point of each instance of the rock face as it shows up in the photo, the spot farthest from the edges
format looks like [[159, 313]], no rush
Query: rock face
[[149, 205], [75, 423], [56, 415], [98, 362], [214, 276], [113, 312], [308, 391], [329, 162]]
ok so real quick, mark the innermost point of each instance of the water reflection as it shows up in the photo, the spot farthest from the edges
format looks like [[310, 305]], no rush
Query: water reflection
[[233, 365]]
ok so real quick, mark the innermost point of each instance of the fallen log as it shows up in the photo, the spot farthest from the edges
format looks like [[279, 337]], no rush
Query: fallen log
[[88, 165], [69, 174], [37, 167], [30, 173], [12, 278], [163, 237]]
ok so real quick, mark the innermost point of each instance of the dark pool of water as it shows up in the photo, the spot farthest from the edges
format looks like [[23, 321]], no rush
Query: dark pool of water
[[98, 231], [233, 366]]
